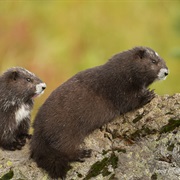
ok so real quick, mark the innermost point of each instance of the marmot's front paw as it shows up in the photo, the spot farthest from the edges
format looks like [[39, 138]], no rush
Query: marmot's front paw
[[9, 147], [148, 96], [29, 136], [15, 145], [21, 139], [19, 143], [18, 146]]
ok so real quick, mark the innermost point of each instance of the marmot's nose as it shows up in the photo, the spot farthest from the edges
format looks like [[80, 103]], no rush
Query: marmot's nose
[[43, 86], [166, 73]]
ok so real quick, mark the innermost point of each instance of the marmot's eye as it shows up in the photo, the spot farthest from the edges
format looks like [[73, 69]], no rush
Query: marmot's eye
[[153, 61], [28, 79]]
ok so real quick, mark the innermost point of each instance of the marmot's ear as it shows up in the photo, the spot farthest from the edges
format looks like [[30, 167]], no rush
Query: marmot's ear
[[14, 75], [141, 53]]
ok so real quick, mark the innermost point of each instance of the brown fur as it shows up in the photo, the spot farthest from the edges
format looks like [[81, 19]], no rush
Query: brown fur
[[87, 101], [17, 89]]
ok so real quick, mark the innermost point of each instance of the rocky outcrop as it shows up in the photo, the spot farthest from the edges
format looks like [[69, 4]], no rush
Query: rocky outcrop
[[140, 145]]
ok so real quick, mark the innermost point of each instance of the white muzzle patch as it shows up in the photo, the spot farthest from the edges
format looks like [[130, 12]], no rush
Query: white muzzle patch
[[40, 88], [162, 74]]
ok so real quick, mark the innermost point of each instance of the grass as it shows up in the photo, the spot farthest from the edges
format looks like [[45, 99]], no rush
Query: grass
[[56, 39]]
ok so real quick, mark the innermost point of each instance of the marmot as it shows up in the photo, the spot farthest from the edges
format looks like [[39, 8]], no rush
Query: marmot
[[87, 101], [18, 88]]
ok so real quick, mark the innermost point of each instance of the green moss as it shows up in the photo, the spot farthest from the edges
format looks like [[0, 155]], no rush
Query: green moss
[[154, 176], [136, 134], [138, 118], [101, 167], [144, 131], [112, 177], [113, 160], [96, 168], [149, 131], [105, 152], [169, 113], [7, 176], [121, 150], [79, 175], [172, 124], [105, 172], [170, 147], [115, 134]]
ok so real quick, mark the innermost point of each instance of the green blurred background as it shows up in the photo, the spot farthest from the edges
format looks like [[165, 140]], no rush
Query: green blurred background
[[56, 39]]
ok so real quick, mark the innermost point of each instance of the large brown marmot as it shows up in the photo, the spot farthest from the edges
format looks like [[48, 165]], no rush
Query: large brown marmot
[[87, 101], [18, 88]]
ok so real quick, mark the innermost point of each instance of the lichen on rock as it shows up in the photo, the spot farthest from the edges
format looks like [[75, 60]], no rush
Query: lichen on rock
[[143, 144]]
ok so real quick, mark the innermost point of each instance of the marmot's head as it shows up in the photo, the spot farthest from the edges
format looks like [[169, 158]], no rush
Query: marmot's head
[[141, 66], [151, 61], [149, 65], [21, 84]]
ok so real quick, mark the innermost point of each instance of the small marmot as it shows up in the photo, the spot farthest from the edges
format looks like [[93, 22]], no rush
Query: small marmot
[[87, 101], [18, 88]]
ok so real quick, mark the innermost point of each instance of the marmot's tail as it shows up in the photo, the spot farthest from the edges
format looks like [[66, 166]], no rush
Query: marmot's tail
[[55, 163]]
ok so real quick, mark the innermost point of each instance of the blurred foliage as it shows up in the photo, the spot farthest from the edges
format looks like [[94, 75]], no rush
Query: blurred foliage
[[56, 39]]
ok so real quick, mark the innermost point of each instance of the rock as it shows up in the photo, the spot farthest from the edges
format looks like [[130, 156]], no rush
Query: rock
[[140, 145]]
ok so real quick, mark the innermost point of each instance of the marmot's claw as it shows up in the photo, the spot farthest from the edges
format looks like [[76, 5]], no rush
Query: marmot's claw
[[148, 96], [86, 153]]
